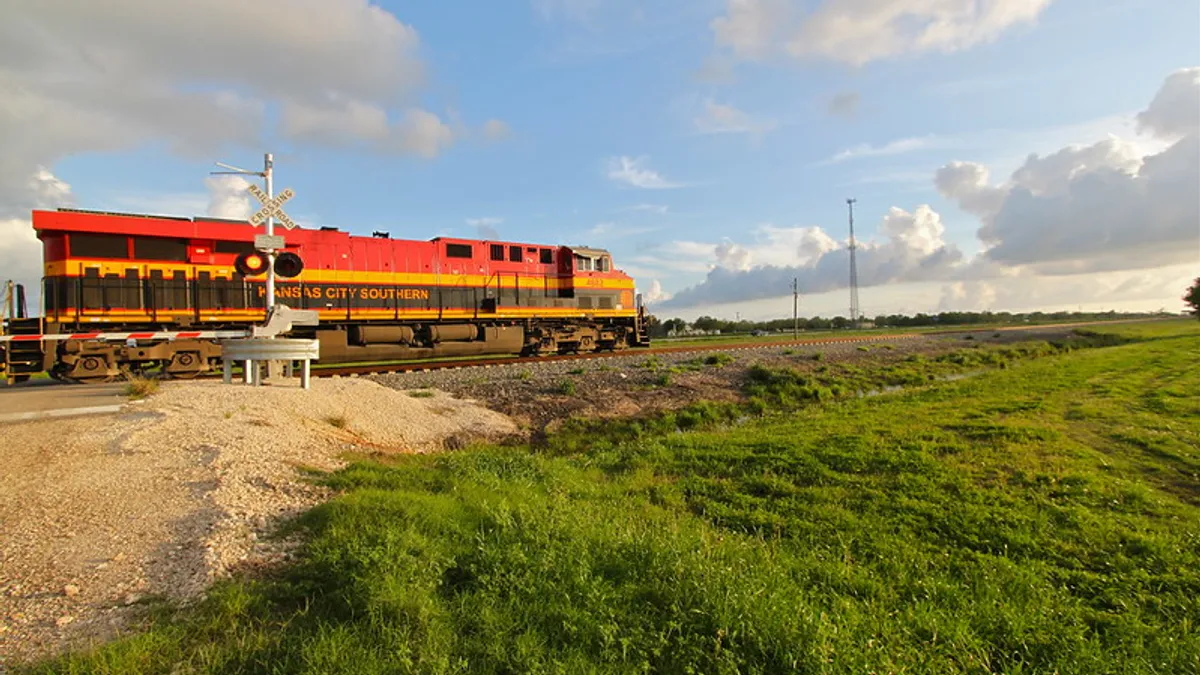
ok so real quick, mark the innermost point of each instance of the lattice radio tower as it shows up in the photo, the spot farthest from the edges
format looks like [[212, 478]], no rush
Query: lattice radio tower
[[853, 269]]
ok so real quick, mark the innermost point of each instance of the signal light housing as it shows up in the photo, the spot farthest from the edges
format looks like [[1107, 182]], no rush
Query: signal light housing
[[288, 265], [251, 264]]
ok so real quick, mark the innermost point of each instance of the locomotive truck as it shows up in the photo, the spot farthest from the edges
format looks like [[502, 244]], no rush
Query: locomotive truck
[[168, 283]]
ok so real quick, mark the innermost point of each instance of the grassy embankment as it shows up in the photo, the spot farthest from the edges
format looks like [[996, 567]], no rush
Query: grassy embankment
[[1041, 516]]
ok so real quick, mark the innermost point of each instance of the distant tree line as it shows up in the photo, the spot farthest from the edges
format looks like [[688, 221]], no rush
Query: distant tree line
[[662, 328]]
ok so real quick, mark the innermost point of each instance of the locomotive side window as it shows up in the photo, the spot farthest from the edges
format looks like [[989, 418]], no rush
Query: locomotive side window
[[98, 246], [514, 254], [235, 247], [583, 263], [458, 250], [154, 248], [547, 256], [602, 264], [498, 252]]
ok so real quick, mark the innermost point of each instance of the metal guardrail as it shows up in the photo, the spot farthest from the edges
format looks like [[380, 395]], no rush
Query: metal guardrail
[[254, 352]]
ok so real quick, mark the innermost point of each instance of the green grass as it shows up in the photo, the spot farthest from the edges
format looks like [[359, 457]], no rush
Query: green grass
[[1041, 515], [421, 393]]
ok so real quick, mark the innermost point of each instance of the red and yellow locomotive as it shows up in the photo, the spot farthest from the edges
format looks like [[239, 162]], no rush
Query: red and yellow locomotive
[[378, 298]]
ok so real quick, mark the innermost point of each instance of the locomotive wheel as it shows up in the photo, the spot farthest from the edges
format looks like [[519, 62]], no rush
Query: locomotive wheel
[[185, 366], [90, 369]]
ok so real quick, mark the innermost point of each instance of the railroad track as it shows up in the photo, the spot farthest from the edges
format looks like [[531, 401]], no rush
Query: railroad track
[[343, 371]]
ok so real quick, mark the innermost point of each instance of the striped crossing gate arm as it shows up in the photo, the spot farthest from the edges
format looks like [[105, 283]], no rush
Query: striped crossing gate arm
[[145, 335]]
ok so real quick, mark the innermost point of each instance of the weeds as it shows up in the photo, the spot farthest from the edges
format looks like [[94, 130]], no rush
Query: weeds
[[566, 387], [421, 393], [719, 359], [138, 387]]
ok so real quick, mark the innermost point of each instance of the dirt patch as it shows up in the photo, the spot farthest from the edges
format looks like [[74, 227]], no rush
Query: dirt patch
[[99, 514], [539, 396]]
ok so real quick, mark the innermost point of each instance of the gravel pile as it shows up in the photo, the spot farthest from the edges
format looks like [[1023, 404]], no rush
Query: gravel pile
[[100, 513]]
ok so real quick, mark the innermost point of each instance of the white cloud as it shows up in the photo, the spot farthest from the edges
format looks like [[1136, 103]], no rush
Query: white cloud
[[20, 250], [228, 198], [1174, 111], [1141, 290], [655, 293], [1096, 207], [631, 171], [896, 147], [751, 28], [720, 118], [913, 249], [86, 77], [860, 31]]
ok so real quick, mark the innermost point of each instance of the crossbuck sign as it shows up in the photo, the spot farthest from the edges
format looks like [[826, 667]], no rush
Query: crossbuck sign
[[272, 207]]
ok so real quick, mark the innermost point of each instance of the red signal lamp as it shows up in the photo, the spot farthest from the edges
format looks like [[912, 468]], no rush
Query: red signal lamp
[[251, 264]]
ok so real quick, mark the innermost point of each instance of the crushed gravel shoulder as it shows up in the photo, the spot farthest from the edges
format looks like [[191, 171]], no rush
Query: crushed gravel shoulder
[[100, 513]]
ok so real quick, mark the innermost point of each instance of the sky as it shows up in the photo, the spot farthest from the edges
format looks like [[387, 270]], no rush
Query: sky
[[1002, 154]]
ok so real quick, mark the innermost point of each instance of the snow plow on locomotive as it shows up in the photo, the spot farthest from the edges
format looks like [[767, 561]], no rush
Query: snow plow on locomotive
[[138, 277]]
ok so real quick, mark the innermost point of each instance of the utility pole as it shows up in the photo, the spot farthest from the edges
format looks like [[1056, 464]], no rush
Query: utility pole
[[265, 174], [795, 308], [853, 269]]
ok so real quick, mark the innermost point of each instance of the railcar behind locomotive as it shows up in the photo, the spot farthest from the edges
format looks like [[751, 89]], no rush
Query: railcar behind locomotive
[[377, 297]]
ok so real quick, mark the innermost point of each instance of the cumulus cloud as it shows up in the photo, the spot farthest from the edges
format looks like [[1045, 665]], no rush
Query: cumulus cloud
[[655, 293], [632, 171], [1174, 112], [1096, 207], [107, 77], [20, 250], [912, 249], [228, 197], [88, 77], [859, 31]]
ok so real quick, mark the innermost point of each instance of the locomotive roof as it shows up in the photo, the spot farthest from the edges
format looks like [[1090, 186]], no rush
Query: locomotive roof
[[198, 220]]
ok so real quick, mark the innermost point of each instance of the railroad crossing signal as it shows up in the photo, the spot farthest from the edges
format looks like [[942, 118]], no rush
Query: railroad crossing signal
[[272, 207]]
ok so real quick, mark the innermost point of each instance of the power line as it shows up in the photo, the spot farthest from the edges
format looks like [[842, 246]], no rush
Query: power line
[[853, 269]]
